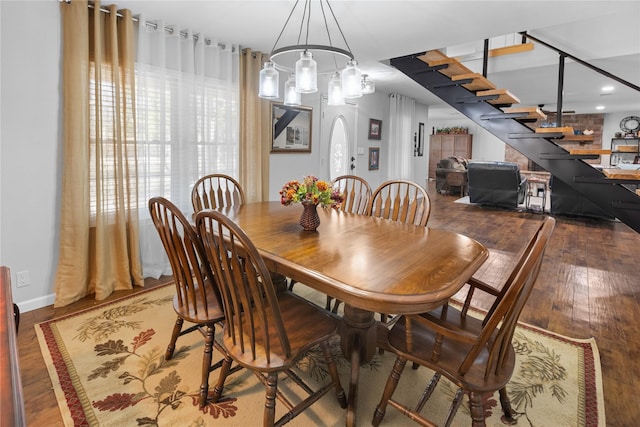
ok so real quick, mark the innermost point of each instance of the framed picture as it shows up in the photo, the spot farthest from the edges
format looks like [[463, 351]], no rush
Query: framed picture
[[291, 129], [374, 158], [420, 139], [375, 129]]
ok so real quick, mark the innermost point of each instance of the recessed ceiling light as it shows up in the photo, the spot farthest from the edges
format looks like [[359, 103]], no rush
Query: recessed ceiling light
[[600, 107], [607, 88]]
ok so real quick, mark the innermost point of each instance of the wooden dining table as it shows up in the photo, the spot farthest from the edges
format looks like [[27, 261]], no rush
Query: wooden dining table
[[371, 264]]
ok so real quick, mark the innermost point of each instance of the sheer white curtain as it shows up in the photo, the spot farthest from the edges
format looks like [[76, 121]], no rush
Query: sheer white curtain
[[401, 119], [187, 99]]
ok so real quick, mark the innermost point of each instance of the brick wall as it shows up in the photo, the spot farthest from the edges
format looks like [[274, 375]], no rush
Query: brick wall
[[581, 122]]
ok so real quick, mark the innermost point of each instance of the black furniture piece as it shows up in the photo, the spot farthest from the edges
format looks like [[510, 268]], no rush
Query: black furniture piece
[[496, 184], [451, 173], [567, 201]]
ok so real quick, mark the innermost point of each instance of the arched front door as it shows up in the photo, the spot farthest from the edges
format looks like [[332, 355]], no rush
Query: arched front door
[[339, 125]]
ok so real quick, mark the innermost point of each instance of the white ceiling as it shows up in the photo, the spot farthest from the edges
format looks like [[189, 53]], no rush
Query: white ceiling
[[603, 33]]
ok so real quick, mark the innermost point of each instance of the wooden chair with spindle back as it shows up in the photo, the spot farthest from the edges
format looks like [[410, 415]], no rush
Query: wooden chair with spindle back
[[400, 200], [264, 331], [475, 354], [356, 192], [197, 299], [216, 191]]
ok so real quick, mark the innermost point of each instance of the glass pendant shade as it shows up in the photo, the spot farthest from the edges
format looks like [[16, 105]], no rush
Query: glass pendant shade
[[351, 80], [368, 86], [306, 73], [335, 90], [291, 96], [269, 81]]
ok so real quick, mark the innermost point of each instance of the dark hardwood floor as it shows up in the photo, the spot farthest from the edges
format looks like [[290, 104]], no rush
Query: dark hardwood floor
[[588, 287]]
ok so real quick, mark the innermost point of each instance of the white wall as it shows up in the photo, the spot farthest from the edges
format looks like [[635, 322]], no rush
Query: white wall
[[29, 142]]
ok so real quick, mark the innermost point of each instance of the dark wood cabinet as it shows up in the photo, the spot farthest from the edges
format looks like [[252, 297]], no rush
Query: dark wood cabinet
[[442, 146]]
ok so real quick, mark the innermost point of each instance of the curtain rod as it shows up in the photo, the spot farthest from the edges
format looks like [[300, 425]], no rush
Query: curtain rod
[[155, 26]]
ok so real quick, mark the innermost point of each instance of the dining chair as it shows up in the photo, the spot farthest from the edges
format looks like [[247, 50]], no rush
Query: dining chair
[[197, 301], [476, 354], [264, 331], [400, 200], [356, 193], [216, 191]]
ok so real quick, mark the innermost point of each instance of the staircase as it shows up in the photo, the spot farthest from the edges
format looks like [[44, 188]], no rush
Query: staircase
[[473, 95]]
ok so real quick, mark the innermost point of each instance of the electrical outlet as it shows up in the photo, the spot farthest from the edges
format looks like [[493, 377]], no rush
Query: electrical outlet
[[22, 278]]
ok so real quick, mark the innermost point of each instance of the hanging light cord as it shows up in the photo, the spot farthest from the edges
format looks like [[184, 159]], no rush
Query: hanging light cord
[[339, 29], [284, 26]]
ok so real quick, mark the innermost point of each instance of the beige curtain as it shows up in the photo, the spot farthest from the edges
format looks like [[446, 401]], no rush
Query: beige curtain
[[255, 129], [99, 222]]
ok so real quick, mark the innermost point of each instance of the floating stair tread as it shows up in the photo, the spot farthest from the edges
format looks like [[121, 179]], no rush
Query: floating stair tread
[[622, 174], [533, 112], [479, 82], [434, 58], [565, 130], [504, 96], [596, 151]]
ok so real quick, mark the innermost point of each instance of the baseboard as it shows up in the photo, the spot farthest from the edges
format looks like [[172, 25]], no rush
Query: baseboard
[[36, 303]]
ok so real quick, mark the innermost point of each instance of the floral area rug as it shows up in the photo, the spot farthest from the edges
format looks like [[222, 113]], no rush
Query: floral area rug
[[107, 367]]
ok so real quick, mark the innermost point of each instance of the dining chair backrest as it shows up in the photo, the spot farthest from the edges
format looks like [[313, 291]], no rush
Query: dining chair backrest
[[400, 200], [216, 191], [191, 271], [244, 281], [506, 310], [499, 323], [356, 193]]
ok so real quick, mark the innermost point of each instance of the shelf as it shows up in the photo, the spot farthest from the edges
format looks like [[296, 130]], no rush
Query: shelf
[[567, 131], [626, 149], [577, 138], [598, 152]]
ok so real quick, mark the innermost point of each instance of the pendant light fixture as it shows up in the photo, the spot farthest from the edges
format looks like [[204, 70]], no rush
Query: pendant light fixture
[[319, 54], [335, 90], [291, 96]]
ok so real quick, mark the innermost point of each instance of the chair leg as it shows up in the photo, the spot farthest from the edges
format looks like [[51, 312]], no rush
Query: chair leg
[[269, 416], [327, 306], [333, 372], [507, 418], [477, 413], [336, 304], [174, 337], [206, 364], [222, 377], [389, 388]]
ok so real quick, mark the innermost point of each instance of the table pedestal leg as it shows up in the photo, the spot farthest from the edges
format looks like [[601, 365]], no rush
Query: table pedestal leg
[[359, 337]]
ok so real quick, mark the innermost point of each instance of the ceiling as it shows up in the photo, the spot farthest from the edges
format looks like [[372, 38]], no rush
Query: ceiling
[[603, 33]]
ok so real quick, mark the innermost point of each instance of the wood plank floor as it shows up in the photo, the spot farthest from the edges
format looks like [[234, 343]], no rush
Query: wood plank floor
[[589, 285]]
